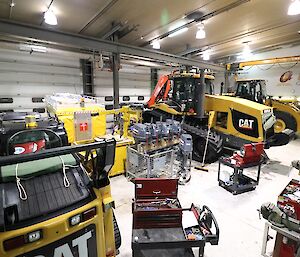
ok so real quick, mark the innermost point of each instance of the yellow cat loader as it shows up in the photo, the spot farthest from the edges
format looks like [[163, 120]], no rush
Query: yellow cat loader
[[55, 201], [233, 121], [287, 112]]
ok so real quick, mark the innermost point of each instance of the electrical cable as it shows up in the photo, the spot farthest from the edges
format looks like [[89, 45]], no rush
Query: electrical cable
[[267, 68], [250, 67], [293, 65]]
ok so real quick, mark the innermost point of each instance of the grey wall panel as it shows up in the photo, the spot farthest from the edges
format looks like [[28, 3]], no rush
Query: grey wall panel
[[24, 75], [134, 82], [7, 66], [37, 89]]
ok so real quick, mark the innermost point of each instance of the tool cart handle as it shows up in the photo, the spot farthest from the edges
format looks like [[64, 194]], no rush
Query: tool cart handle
[[214, 238]]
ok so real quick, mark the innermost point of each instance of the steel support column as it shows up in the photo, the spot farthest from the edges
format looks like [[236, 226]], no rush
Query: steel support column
[[116, 79], [154, 78], [200, 96], [116, 83]]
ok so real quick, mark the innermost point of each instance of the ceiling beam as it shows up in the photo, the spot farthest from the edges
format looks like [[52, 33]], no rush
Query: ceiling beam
[[97, 16], [200, 19], [56, 37]]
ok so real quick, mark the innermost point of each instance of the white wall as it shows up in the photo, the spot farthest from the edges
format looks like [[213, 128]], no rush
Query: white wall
[[24, 75], [272, 73]]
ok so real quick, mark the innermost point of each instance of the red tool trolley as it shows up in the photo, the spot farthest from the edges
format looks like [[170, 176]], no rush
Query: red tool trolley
[[251, 155]]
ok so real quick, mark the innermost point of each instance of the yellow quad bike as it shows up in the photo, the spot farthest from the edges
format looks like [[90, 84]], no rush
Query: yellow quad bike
[[287, 111], [56, 202]]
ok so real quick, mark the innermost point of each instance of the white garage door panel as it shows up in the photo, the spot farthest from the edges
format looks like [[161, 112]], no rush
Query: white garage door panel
[[102, 83], [123, 76], [55, 59], [33, 68], [37, 89], [24, 75], [135, 69], [21, 103], [38, 77], [103, 91], [133, 92], [134, 81]]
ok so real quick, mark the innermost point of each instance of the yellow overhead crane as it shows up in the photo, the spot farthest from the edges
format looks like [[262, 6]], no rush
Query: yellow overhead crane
[[241, 65]]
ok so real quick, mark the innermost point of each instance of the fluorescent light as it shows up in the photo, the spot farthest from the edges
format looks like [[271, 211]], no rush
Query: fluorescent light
[[155, 44], [201, 34], [178, 32], [33, 48], [50, 17], [206, 55], [247, 51], [294, 8]]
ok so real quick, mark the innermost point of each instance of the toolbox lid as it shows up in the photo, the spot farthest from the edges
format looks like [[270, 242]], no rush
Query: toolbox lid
[[155, 187]]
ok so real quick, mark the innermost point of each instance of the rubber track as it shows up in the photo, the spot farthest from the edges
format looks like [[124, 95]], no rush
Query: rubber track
[[214, 139]]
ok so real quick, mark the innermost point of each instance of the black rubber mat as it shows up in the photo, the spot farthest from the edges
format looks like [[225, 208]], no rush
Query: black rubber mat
[[46, 194]]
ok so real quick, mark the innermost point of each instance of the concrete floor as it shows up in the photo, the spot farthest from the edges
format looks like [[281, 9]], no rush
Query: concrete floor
[[241, 230]]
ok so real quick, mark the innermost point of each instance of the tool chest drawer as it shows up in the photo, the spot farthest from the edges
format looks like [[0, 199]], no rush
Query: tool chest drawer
[[289, 199], [156, 204]]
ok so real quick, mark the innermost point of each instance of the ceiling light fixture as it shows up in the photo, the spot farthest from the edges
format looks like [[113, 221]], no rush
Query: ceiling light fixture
[[247, 51], [155, 44], [294, 8], [50, 17], [201, 34], [178, 32], [206, 55], [33, 48]]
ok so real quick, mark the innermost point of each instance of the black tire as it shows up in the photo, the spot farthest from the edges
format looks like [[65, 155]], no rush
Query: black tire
[[199, 145], [117, 233], [288, 119]]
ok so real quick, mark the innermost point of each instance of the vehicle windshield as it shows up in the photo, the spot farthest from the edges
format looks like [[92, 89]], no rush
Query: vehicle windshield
[[32, 141], [251, 90], [184, 88]]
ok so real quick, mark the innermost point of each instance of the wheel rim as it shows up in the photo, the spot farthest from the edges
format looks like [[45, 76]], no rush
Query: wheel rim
[[279, 126]]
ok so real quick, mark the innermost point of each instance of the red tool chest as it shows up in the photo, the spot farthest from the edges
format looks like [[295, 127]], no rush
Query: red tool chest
[[156, 204], [289, 199], [249, 154]]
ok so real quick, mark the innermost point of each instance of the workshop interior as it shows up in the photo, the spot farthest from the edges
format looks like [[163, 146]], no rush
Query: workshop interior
[[149, 128]]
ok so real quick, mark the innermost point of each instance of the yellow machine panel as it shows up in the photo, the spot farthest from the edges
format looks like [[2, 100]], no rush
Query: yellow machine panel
[[98, 121], [86, 122]]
